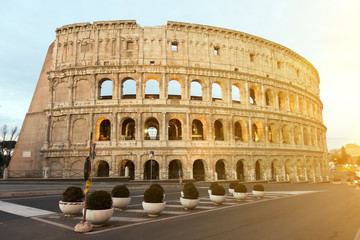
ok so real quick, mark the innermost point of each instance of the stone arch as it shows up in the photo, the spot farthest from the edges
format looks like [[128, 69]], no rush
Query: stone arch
[[199, 170], [80, 131], [236, 93], [269, 97], [77, 169], [105, 89], [240, 170], [56, 169], [300, 170], [82, 90], [273, 133], [240, 131], [102, 168], [258, 170], [151, 170], [310, 170], [254, 95], [198, 129], [297, 135], [276, 170], [128, 129], [220, 169], [217, 91], [282, 101], [218, 130], [257, 132], [127, 169], [61, 95], [58, 132], [292, 103], [174, 89], [128, 88], [175, 169], [103, 129], [306, 136], [175, 129], [196, 90], [289, 170], [152, 88], [152, 129], [286, 134]]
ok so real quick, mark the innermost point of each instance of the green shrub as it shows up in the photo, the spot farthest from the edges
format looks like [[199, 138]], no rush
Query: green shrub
[[120, 191], [337, 180], [240, 188], [258, 187], [156, 185], [233, 184], [99, 200], [218, 190], [154, 194], [213, 184], [190, 191], [73, 194]]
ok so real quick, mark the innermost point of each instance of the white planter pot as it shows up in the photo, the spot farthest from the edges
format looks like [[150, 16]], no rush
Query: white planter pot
[[71, 208], [231, 191], [217, 199], [240, 195], [153, 209], [189, 203], [120, 202], [182, 194], [258, 194], [209, 192], [99, 217]]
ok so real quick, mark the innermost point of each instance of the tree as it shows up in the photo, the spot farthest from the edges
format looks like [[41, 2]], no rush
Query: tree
[[7, 146], [343, 157]]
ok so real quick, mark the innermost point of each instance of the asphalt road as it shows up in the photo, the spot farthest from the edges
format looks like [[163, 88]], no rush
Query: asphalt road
[[289, 211]]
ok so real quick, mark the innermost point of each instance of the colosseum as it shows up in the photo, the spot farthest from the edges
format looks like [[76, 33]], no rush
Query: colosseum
[[211, 103]]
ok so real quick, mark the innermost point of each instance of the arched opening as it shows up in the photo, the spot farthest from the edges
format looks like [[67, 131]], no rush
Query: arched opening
[[151, 129], [218, 131], [128, 129], [238, 132], [152, 89], [103, 129], [105, 89], [196, 90], [197, 130], [174, 129], [216, 92], [301, 106], [306, 136], [300, 170], [128, 90], [199, 170], [127, 169], [286, 134], [269, 98], [276, 170], [220, 170], [308, 110], [102, 169], [257, 132], [254, 95], [235, 94], [174, 90], [292, 103], [297, 135], [257, 171], [289, 170], [282, 101], [273, 133], [240, 170], [273, 175], [151, 170], [175, 169]]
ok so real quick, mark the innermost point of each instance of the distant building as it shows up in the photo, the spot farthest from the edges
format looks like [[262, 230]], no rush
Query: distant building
[[212, 103]]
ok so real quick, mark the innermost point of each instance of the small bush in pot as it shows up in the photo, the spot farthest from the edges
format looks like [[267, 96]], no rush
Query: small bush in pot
[[190, 191], [233, 184], [212, 185], [258, 187], [73, 194], [154, 194], [218, 190], [99, 200], [240, 188], [120, 191]]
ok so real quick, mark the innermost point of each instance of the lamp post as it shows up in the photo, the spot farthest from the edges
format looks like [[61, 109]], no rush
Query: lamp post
[[151, 154]]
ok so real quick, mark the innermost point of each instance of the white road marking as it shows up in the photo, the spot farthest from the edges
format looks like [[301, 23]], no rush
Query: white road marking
[[21, 210], [129, 219]]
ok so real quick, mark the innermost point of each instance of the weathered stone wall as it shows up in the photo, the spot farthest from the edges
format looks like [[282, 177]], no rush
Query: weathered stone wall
[[273, 131]]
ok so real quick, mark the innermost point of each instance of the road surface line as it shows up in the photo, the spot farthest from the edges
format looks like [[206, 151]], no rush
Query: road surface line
[[53, 223], [21, 210]]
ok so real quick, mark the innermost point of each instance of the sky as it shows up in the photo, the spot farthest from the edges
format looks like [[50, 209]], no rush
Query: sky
[[325, 32]]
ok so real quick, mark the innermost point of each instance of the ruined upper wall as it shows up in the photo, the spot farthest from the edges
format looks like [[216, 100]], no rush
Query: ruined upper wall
[[125, 43]]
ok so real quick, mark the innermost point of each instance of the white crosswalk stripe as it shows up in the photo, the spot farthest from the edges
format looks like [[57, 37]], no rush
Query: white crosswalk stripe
[[21, 210]]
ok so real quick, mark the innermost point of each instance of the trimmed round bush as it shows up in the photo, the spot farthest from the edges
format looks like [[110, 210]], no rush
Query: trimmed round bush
[[154, 195], [99, 200], [240, 188], [218, 190], [213, 185], [258, 187], [120, 191], [190, 191], [156, 185], [73, 194], [233, 184]]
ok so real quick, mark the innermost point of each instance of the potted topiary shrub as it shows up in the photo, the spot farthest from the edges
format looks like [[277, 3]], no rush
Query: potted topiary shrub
[[153, 203], [337, 181], [240, 191], [190, 196], [72, 203], [258, 191], [218, 194], [213, 184], [120, 196], [232, 185], [99, 208]]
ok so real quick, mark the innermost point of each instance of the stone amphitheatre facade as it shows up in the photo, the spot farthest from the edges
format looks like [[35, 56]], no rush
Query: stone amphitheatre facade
[[211, 103]]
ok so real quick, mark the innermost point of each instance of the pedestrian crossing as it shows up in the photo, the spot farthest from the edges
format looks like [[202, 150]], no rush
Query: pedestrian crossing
[[135, 215]]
